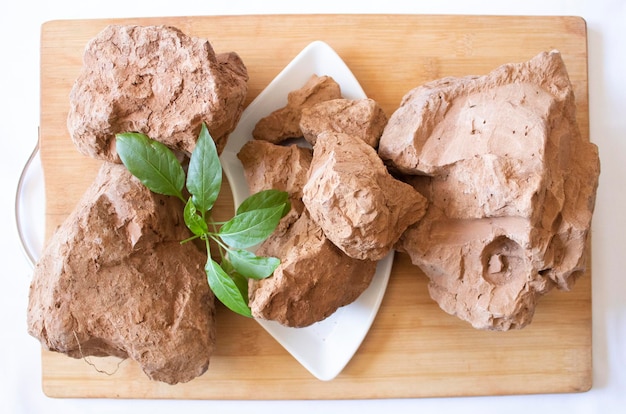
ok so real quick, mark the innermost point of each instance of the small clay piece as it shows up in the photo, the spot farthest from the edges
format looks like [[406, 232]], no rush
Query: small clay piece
[[284, 123], [362, 118], [313, 280], [114, 279], [362, 209], [511, 185], [158, 81], [271, 166]]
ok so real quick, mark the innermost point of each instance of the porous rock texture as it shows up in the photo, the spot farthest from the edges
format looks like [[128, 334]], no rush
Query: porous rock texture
[[284, 123], [363, 118], [362, 208], [114, 279], [313, 280], [511, 185], [158, 81]]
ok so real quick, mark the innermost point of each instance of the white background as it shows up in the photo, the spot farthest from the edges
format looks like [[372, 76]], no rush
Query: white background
[[20, 365]]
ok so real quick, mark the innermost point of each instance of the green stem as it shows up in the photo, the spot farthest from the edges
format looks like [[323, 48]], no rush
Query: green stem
[[220, 244], [189, 239], [208, 248]]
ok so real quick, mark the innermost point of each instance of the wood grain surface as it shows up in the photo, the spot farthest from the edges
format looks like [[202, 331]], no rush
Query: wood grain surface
[[413, 349]]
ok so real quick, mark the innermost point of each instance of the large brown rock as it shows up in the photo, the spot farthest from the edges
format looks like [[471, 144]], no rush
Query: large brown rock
[[313, 280], [511, 185], [115, 280], [362, 209], [158, 81]]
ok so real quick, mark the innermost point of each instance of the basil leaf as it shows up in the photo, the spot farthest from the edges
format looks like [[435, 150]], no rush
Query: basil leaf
[[251, 227], [194, 222], [154, 164], [204, 176], [286, 209], [263, 199], [252, 266], [240, 281], [225, 289]]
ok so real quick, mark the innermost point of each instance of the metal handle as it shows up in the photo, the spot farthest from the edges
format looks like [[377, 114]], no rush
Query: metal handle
[[30, 255]]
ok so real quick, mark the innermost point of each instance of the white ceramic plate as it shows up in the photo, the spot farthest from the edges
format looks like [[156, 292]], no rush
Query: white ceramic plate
[[326, 347], [323, 348]]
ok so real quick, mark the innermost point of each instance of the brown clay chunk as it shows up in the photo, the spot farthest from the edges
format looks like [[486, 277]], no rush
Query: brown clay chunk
[[314, 278], [284, 123], [351, 195], [270, 166], [158, 81], [114, 279], [511, 185], [362, 118]]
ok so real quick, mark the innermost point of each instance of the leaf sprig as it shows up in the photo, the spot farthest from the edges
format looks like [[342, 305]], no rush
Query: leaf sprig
[[156, 166]]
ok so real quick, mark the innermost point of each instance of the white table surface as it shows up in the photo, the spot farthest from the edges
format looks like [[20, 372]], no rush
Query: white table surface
[[20, 364]]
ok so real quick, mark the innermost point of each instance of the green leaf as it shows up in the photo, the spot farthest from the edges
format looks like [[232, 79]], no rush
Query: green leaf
[[154, 164], [286, 209], [251, 227], [252, 266], [225, 289], [242, 284], [264, 199], [194, 222], [204, 176], [240, 281]]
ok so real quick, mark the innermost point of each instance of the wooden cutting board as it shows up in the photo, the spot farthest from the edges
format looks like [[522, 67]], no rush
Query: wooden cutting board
[[413, 349]]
